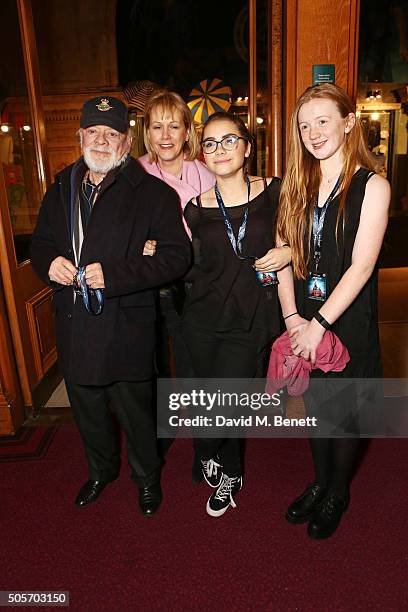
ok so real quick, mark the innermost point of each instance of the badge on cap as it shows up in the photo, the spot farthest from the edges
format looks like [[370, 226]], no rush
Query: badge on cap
[[104, 105]]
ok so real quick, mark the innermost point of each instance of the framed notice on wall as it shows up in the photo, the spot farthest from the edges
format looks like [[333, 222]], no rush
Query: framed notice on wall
[[323, 73]]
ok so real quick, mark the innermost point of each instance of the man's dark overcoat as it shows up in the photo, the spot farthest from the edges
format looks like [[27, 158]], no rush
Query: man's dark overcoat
[[133, 207]]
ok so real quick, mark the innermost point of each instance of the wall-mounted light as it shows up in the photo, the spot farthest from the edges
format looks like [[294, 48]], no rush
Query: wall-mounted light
[[26, 128], [259, 120], [4, 128], [374, 94], [132, 123]]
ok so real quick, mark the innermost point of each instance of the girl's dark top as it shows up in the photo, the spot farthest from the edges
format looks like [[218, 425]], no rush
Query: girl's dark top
[[226, 294], [357, 327]]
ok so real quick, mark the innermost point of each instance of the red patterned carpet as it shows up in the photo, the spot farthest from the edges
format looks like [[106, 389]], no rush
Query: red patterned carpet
[[111, 558]]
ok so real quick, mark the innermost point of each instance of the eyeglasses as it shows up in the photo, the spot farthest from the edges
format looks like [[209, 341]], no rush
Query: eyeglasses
[[228, 143]]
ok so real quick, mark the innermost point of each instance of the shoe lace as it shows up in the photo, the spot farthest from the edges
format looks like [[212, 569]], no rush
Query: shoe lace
[[225, 489], [211, 467]]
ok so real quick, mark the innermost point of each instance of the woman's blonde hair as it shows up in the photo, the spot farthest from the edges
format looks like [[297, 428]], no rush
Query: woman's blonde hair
[[303, 176], [170, 101]]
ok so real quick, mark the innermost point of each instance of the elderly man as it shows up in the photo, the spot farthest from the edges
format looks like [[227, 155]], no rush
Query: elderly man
[[88, 245]]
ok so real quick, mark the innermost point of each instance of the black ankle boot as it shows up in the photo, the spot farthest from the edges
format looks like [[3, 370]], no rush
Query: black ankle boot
[[327, 516], [301, 510]]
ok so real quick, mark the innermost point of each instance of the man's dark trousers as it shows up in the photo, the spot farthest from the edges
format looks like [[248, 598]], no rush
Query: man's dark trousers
[[132, 404]]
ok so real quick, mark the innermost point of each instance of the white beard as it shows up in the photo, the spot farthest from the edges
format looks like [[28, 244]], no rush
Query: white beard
[[101, 167]]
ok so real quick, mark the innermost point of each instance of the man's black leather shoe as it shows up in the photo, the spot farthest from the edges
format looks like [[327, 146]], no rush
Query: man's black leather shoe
[[150, 498], [90, 492], [327, 517], [301, 510], [196, 471]]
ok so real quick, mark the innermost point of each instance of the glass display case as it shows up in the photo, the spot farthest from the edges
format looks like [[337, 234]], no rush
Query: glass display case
[[19, 166], [17, 148], [386, 126]]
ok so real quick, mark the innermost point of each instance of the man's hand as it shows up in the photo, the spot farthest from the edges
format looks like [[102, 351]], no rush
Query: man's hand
[[62, 271], [150, 247], [94, 276]]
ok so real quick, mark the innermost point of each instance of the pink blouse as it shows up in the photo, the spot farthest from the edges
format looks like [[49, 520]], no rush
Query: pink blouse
[[195, 179]]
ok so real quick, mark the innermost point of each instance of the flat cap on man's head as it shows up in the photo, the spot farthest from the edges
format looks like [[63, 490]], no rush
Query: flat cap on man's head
[[105, 111]]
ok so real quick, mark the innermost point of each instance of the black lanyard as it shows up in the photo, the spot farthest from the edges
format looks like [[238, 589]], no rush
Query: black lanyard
[[318, 220], [236, 243]]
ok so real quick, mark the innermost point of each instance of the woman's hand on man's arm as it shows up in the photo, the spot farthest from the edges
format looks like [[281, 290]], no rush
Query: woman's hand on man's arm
[[275, 259]]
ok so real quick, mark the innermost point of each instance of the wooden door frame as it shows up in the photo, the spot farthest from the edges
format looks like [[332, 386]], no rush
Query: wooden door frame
[[274, 55], [11, 400], [276, 87], [6, 238], [7, 250], [32, 70]]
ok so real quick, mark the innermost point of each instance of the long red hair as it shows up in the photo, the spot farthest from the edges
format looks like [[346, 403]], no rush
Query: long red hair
[[303, 176]]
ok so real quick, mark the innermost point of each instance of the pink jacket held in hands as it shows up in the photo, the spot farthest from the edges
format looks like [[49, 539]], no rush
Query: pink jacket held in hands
[[287, 370]]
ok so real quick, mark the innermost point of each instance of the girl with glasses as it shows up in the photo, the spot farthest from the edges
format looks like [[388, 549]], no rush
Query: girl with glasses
[[333, 212], [230, 315]]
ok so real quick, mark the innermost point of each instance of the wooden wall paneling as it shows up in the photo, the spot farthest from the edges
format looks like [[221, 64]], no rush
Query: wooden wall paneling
[[289, 62], [28, 289], [82, 36], [11, 401], [276, 106], [63, 145], [41, 327], [319, 32], [252, 93], [353, 48]]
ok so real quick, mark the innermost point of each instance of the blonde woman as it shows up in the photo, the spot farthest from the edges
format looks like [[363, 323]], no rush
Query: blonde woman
[[172, 149]]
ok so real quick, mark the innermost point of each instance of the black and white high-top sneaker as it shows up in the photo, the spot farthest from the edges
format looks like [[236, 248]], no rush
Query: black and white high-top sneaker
[[223, 497], [212, 472]]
